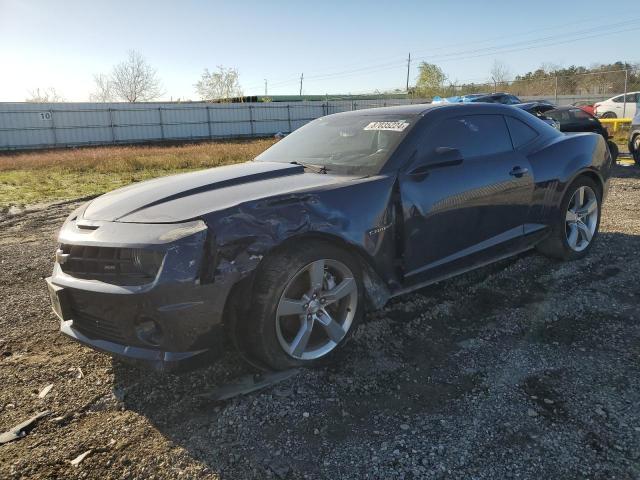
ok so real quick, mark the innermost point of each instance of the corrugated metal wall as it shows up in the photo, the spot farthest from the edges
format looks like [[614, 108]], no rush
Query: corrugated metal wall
[[45, 125], [27, 125]]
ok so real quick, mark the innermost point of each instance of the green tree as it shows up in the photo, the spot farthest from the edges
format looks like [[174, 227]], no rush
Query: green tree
[[430, 80]]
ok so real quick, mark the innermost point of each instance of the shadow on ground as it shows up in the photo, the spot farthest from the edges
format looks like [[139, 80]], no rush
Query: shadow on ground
[[491, 364]]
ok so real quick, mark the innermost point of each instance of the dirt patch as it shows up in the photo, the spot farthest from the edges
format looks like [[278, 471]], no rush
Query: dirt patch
[[528, 368]]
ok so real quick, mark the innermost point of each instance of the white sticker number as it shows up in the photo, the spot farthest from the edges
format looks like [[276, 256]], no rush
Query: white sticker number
[[397, 126]]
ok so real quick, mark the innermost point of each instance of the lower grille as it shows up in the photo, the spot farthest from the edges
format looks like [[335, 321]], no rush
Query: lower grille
[[95, 327]]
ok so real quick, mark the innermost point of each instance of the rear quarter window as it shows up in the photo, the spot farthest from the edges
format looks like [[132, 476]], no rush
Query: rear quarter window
[[521, 133]]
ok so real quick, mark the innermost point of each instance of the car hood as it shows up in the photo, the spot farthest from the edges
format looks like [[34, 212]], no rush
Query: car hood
[[187, 196]]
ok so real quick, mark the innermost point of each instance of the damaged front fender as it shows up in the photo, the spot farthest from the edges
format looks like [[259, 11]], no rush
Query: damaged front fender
[[360, 218]]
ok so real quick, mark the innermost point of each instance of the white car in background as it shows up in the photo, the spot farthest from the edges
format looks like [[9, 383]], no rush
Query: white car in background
[[616, 107]]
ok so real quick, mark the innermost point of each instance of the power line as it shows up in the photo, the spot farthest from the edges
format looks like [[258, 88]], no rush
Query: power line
[[495, 50], [462, 55], [540, 42], [474, 42]]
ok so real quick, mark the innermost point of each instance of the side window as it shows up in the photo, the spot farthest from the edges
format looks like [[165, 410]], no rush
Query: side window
[[632, 97], [618, 99], [521, 133], [474, 135]]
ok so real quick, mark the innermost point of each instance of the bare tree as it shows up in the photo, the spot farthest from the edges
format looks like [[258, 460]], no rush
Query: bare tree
[[104, 89], [499, 73], [46, 95], [220, 85], [134, 80]]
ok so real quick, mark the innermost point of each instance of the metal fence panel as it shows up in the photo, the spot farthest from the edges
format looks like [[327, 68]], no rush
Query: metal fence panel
[[27, 125]]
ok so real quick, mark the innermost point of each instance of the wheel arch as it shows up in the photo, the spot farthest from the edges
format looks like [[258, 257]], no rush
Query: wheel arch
[[591, 174], [376, 291]]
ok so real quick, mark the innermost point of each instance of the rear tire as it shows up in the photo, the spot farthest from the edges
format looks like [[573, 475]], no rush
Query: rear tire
[[635, 143], [576, 225], [613, 150], [307, 300]]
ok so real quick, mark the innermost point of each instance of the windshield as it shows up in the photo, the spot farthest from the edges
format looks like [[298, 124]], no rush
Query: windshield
[[348, 144]]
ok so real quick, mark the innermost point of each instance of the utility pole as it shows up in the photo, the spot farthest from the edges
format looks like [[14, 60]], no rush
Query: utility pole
[[265, 87], [626, 79], [408, 67], [301, 78]]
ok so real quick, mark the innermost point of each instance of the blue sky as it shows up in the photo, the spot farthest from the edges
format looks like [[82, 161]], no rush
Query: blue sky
[[342, 47]]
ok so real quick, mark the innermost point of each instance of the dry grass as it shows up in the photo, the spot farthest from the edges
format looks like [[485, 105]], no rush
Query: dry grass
[[134, 158], [44, 176]]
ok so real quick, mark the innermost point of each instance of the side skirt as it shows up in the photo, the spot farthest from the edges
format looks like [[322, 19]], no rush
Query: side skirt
[[461, 271]]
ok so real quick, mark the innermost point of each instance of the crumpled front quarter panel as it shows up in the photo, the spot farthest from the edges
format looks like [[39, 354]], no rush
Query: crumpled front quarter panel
[[357, 212]]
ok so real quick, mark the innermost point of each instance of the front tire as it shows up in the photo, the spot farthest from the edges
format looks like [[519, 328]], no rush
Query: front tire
[[575, 227], [609, 115], [307, 299]]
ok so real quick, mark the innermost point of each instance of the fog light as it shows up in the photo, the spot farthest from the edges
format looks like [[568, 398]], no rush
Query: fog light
[[149, 331]]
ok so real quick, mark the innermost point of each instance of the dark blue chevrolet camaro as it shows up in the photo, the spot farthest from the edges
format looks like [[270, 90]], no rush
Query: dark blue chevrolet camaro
[[281, 256]]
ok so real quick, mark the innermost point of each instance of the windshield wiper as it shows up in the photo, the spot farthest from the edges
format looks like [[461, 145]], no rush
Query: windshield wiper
[[311, 166]]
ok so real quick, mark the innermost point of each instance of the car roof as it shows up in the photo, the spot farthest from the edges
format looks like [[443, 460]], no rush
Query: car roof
[[621, 94], [423, 108], [411, 109]]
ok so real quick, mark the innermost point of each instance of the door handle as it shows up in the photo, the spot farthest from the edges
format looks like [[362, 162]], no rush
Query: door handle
[[518, 171]]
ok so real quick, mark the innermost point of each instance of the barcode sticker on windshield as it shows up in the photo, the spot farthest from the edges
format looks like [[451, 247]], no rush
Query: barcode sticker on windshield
[[393, 126]]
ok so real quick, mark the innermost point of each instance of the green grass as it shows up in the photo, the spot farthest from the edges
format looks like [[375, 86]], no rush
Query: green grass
[[55, 175]]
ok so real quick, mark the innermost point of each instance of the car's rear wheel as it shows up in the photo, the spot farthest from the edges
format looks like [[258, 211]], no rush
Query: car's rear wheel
[[609, 115], [635, 143], [613, 150], [306, 300], [576, 227]]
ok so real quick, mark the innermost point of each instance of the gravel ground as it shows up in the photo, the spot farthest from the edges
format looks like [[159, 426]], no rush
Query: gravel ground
[[525, 369]]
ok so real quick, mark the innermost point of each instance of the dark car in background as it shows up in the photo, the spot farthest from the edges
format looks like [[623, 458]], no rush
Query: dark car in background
[[283, 254], [585, 105], [570, 119], [634, 138], [503, 98], [538, 109], [573, 119]]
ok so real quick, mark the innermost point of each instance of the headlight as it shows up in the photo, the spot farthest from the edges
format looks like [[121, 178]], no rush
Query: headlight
[[146, 262], [183, 230]]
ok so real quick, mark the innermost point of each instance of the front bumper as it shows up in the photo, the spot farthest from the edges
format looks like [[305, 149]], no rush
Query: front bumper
[[186, 311], [190, 320]]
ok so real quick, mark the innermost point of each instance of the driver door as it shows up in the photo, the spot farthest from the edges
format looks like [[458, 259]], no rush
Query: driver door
[[463, 212]]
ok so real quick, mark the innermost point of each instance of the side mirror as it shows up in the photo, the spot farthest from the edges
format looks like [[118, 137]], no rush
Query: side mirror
[[439, 158]]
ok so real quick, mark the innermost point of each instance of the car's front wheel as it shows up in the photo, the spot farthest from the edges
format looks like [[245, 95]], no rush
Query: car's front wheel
[[609, 115], [306, 300], [574, 230]]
